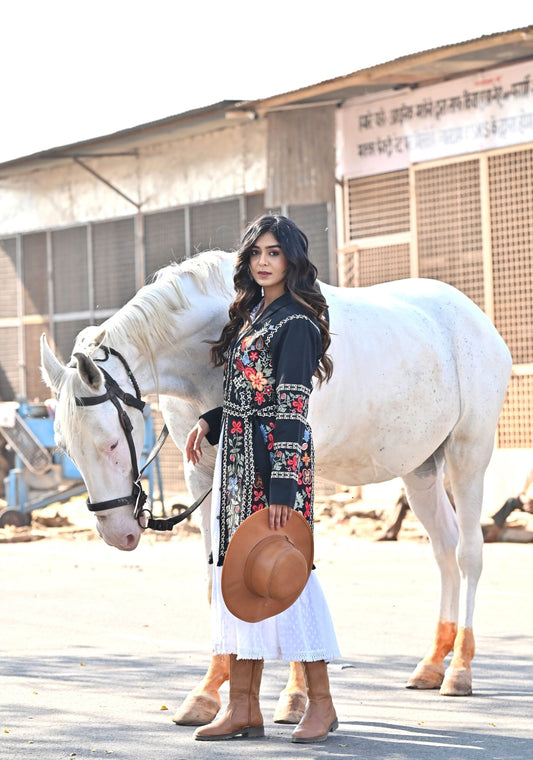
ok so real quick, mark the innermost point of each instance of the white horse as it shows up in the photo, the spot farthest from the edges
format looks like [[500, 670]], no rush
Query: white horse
[[420, 375]]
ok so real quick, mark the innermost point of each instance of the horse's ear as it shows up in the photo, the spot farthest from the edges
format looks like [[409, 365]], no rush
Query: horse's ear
[[51, 368], [89, 372]]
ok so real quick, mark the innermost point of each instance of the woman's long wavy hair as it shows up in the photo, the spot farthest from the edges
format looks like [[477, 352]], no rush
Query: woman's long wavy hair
[[300, 282]]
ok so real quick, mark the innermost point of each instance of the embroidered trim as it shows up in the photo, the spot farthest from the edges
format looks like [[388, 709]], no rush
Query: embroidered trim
[[295, 316], [296, 388]]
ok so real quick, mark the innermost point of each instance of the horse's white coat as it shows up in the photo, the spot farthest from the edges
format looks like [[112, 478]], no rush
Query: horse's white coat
[[420, 375]]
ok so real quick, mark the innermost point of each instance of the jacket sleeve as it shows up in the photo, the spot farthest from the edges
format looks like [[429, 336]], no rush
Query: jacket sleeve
[[296, 351], [214, 419]]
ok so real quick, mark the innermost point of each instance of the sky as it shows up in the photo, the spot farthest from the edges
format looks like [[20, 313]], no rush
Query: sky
[[77, 69]]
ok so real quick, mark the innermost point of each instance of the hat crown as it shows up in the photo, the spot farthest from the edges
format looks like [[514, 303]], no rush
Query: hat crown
[[275, 568]]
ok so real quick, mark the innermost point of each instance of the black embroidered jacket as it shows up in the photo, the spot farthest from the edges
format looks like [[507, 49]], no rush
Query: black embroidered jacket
[[267, 446]]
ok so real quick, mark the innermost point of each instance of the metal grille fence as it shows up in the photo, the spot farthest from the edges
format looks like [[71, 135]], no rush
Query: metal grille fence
[[313, 219], [511, 213], [378, 205], [114, 263], [215, 225], [449, 226], [65, 333], [515, 429], [35, 273], [9, 368], [8, 278], [165, 239], [473, 228], [70, 269], [383, 264]]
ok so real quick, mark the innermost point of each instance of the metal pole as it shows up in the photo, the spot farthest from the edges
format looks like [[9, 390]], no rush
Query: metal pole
[[139, 253]]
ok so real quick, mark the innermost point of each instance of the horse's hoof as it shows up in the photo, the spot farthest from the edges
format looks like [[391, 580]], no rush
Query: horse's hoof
[[457, 683], [196, 710], [426, 676], [290, 707]]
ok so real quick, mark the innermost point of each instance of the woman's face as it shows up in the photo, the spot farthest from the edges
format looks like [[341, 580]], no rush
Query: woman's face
[[268, 266]]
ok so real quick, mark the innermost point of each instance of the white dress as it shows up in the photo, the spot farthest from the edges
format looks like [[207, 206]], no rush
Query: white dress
[[302, 633]]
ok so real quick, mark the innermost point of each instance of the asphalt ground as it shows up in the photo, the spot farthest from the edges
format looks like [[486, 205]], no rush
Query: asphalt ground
[[98, 648]]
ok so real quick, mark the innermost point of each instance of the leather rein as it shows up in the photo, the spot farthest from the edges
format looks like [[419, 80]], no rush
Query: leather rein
[[138, 497]]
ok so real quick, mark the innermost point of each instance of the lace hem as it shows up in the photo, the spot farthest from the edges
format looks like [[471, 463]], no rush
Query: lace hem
[[287, 657]]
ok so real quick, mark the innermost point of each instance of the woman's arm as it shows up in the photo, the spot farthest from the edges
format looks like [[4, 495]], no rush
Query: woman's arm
[[213, 418], [296, 350], [193, 448]]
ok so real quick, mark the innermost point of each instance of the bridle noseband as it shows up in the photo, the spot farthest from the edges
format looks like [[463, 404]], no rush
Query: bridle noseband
[[138, 497]]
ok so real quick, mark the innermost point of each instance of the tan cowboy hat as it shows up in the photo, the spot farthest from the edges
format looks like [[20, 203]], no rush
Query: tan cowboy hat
[[266, 570]]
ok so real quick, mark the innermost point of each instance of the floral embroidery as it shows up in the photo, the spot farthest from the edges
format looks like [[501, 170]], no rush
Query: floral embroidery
[[246, 343], [293, 462], [252, 400], [256, 377], [294, 400], [298, 404], [259, 498]]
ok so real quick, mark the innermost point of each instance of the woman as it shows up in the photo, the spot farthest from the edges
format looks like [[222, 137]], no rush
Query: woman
[[274, 343]]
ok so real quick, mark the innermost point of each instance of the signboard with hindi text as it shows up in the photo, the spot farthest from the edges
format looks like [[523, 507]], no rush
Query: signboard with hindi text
[[467, 115]]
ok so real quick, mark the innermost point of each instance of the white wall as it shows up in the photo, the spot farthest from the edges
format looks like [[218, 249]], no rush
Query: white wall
[[172, 172]]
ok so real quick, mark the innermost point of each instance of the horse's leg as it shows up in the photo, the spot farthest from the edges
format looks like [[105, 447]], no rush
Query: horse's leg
[[293, 698], [429, 501], [203, 702], [466, 468]]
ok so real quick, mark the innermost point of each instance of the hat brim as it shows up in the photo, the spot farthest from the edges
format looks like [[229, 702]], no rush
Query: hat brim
[[239, 600]]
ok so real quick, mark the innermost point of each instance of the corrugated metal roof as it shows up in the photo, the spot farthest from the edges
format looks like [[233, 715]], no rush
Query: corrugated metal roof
[[415, 70], [198, 119]]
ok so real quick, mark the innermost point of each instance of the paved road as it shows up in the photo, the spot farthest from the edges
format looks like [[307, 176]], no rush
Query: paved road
[[95, 644]]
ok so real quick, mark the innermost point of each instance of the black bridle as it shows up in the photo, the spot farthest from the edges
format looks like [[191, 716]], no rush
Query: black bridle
[[138, 497]]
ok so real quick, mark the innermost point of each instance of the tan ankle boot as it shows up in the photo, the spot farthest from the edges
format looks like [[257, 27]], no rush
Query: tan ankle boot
[[319, 717], [242, 716]]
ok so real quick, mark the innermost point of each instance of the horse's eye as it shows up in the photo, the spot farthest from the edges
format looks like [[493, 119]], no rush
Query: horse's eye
[[114, 446]]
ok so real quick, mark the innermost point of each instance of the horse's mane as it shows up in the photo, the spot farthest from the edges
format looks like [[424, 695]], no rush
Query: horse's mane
[[143, 323]]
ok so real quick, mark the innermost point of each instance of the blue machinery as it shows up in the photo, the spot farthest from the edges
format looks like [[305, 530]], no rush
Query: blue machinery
[[42, 474]]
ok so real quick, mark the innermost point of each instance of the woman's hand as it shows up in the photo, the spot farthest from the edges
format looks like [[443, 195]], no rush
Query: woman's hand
[[278, 516], [193, 448]]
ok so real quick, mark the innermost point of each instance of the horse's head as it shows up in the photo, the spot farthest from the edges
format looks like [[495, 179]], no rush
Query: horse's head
[[90, 427]]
